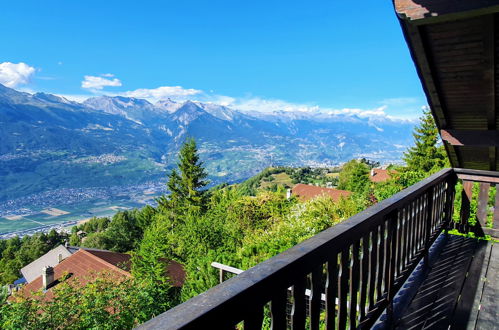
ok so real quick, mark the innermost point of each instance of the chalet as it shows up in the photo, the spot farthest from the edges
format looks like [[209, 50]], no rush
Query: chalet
[[84, 265], [395, 265], [51, 258], [306, 192]]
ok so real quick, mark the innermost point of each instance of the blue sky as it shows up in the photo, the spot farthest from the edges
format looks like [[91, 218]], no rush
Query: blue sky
[[246, 54]]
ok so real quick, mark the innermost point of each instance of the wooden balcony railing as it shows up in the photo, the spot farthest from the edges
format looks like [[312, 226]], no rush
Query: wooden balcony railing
[[486, 219], [359, 264]]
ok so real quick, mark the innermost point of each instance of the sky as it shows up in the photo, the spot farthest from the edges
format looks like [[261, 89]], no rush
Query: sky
[[250, 55]]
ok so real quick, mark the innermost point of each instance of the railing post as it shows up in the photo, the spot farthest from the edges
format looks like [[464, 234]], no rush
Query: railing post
[[429, 222], [392, 237], [465, 205], [221, 275], [449, 203]]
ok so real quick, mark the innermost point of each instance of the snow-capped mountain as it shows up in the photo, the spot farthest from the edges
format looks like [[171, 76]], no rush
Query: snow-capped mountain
[[43, 132]]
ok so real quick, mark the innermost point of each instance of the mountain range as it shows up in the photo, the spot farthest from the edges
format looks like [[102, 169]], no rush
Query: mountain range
[[49, 142]]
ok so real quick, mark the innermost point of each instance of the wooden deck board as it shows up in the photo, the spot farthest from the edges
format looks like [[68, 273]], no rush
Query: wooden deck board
[[488, 315], [460, 289]]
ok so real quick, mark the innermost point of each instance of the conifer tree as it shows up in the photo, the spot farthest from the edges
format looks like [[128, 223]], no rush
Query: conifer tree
[[186, 185], [426, 156]]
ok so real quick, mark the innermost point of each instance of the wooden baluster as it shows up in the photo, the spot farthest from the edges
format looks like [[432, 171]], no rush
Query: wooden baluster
[[441, 210], [354, 284], [402, 236], [412, 229], [483, 200], [364, 271], [373, 262], [449, 203], [254, 319], [343, 288], [390, 271], [299, 310], [331, 292], [381, 261], [398, 253], [465, 205], [424, 221], [278, 310], [315, 298], [429, 221], [496, 210], [417, 225]]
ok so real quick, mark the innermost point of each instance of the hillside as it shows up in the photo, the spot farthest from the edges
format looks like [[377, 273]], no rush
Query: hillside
[[51, 143]]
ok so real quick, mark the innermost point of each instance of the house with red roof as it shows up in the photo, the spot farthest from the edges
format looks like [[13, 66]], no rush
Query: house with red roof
[[85, 265], [380, 175]]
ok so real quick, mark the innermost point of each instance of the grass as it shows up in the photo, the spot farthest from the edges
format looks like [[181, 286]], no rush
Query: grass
[[279, 179]]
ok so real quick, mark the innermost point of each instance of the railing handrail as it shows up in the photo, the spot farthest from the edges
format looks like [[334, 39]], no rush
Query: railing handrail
[[224, 303], [477, 175]]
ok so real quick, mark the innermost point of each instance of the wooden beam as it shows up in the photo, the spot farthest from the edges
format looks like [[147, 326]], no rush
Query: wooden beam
[[437, 11], [478, 178], [476, 138]]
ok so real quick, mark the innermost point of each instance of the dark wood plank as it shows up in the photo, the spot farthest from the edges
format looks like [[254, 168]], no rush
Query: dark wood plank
[[496, 210], [489, 307], [354, 284], [331, 292], [390, 269], [434, 303], [406, 239], [278, 310], [381, 262], [373, 265], [299, 309], [422, 221], [478, 178], [449, 291], [399, 251], [315, 297], [466, 197], [483, 200], [466, 311], [483, 138], [364, 271], [428, 222], [343, 288], [254, 319]]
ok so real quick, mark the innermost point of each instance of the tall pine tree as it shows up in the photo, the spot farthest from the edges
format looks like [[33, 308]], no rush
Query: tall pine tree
[[186, 184], [426, 155]]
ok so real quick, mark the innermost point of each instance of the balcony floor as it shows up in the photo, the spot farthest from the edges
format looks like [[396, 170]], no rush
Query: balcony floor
[[459, 290]]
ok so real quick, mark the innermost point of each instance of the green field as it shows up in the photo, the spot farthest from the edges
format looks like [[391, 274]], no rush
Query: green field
[[76, 212]]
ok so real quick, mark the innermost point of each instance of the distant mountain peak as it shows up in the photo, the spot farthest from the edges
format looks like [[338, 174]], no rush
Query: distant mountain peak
[[168, 105]]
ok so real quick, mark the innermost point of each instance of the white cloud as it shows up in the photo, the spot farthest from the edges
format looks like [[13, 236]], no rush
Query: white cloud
[[99, 82], [13, 75], [163, 92]]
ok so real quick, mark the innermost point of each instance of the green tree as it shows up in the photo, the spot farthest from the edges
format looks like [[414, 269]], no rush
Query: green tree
[[354, 176], [186, 185], [426, 155]]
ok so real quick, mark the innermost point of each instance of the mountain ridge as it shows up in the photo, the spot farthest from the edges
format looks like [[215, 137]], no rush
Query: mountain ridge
[[47, 139]]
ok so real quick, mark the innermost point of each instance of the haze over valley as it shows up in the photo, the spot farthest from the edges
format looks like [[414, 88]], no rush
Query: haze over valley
[[59, 152]]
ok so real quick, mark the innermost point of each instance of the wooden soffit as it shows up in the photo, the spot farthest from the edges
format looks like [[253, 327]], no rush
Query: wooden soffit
[[455, 47]]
